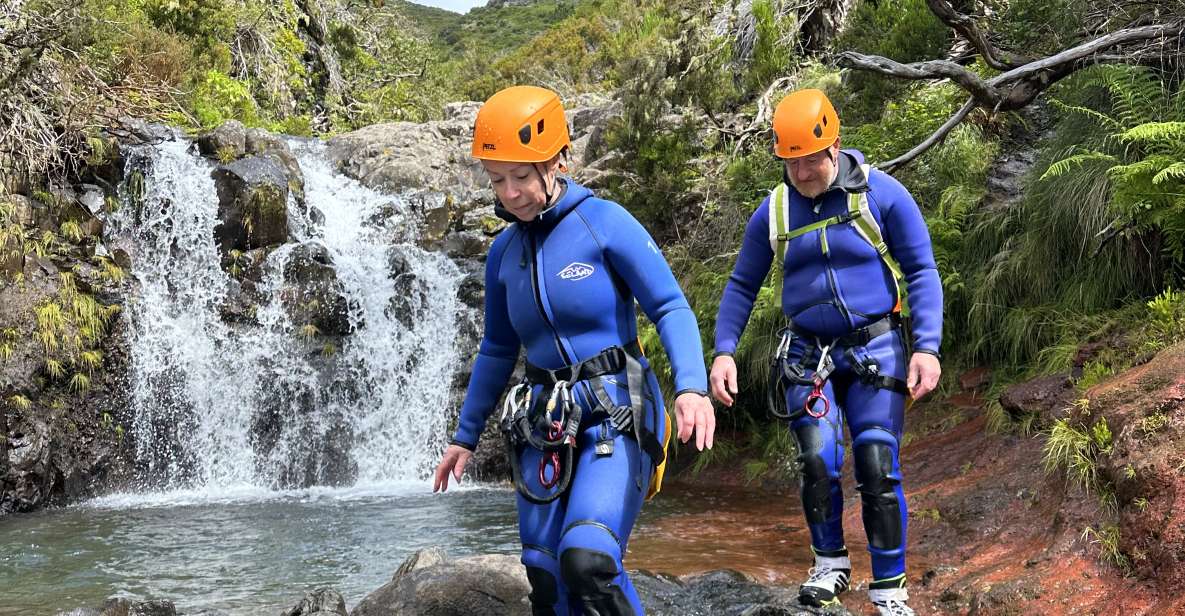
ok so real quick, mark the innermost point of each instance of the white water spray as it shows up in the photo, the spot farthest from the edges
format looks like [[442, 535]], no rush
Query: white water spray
[[220, 405]]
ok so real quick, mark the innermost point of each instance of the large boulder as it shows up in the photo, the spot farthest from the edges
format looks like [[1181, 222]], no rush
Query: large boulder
[[232, 141], [226, 143], [263, 144], [124, 607], [1043, 398], [434, 157], [252, 204], [321, 602], [431, 585]]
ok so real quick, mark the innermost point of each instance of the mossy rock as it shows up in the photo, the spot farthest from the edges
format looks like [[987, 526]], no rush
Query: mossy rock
[[252, 204]]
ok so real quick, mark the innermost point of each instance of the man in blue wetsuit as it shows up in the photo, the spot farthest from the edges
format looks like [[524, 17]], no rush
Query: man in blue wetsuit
[[850, 240], [586, 429]]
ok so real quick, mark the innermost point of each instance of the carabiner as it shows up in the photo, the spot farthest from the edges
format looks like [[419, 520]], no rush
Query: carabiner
[[816, 395], [551, 459]]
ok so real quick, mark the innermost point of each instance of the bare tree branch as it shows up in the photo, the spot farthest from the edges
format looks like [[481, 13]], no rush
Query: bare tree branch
[[1074, 54], [967, 26], [930, 69], [1020, 85], [938, 136]]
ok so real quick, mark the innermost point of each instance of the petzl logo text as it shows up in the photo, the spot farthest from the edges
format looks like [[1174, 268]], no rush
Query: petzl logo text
[[576, 271]]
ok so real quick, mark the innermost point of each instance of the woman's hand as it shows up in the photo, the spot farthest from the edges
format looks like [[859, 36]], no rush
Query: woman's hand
[[924, 371], [694, 412], [454, 461], [724, 379]]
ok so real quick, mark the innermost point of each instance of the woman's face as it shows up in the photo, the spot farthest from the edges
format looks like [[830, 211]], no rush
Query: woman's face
[[520, 186]]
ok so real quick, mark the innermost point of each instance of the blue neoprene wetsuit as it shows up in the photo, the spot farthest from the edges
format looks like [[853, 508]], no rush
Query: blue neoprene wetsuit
[[834, 284], [563, 287]]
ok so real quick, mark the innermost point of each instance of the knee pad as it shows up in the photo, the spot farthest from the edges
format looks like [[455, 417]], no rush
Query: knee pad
[[877, 483], [544, 591], [589, 576], [816, 477]]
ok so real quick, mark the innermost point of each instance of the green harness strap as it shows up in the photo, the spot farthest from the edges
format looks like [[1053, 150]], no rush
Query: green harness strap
[[859, 214]]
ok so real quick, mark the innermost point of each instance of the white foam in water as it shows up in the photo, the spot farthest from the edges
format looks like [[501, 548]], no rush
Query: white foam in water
[[200, 385]]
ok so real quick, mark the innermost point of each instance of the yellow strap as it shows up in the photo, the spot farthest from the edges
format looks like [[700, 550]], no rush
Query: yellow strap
[[778, 202], [867, 227], [660, 470]]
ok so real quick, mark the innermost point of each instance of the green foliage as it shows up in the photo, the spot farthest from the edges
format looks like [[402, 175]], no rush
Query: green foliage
[[773, 51], [904, 123], [1165, 323], [1107, 539], [219, 98], [903, 30], [1142, 154], [1075, 448]]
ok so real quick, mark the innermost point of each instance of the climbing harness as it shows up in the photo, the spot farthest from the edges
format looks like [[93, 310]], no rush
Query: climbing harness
[[785, 373], [554, 428]]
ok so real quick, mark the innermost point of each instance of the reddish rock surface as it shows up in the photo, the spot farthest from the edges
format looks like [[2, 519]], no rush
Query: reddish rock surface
[[991, 533]]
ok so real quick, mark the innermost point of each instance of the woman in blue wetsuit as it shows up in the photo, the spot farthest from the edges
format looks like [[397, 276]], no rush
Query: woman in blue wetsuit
[[586, 429]]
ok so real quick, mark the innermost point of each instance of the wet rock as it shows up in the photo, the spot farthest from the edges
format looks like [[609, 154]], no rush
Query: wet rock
[[429, 583], [135, 131], [466, 245], [124, 607], [410, 300], [252, 204], [274, 148], [436, 223], [472, 291], [226, 143], [313, 294], [491, 584], [321, 602], [975, 379], [27, 212], [1043, 397]]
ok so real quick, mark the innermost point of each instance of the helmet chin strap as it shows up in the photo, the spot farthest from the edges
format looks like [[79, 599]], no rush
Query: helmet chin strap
[[547, 186]]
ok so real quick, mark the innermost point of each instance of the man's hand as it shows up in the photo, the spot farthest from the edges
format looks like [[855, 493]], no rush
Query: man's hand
[[694, 412], [924, 371], [724, 379]]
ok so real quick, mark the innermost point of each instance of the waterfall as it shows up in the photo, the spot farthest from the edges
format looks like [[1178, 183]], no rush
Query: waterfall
[[273, 404]]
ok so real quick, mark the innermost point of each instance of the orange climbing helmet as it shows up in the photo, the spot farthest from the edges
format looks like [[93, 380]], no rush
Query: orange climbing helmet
[[521, 124], [805, 122]]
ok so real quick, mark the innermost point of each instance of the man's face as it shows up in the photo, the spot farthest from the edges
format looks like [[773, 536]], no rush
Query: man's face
[[811, 175]]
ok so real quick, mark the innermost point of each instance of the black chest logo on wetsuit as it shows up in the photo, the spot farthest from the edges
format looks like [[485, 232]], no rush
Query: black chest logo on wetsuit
[[576, 271]]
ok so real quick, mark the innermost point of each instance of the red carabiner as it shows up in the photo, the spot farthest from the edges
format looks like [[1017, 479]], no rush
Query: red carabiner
[[552, 459], [816, 395]]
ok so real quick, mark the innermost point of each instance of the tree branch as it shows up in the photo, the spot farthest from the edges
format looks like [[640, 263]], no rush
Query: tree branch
[[930, 69], [938, 136], [1073, 54], [1018, 86], [966, 26]]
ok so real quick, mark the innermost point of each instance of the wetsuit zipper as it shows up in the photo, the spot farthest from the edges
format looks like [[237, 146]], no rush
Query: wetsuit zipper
[[535, 284], [831, 281]]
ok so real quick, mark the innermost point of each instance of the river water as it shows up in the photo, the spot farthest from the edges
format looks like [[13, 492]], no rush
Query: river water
[[241, 552]]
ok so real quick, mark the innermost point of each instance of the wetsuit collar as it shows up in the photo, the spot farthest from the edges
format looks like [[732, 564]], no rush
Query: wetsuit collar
[[571, 195]]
